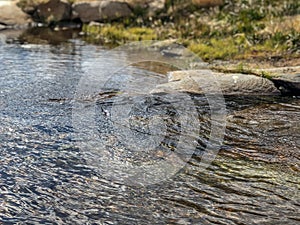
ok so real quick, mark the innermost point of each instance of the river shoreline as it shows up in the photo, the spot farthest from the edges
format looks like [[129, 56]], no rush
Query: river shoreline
[[85, 139], [119, 22], [284, 80], [212, 29]]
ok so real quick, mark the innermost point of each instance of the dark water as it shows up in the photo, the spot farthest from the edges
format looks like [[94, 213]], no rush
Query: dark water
[[48, 177]]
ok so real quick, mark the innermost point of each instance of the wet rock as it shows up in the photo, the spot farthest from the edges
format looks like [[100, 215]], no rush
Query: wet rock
[[12, 15], [53, 11], [207, 3], [288, 84], [100, 10], [203, 81]]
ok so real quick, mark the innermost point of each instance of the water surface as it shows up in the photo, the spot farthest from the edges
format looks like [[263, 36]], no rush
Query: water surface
[[46, 178]]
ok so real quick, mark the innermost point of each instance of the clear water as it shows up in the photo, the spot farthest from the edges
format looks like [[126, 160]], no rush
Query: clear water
[[47, 178]]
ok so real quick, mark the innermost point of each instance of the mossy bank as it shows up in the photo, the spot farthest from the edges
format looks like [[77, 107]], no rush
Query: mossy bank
[[255, 31], [238, 30]]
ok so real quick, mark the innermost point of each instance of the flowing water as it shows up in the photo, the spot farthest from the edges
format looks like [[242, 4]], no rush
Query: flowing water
[[48, 177]]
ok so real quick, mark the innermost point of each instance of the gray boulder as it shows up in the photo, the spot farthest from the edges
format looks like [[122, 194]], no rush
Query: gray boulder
[[111, 10], [53, 11], [11, 15], [206, 81], [86, 11], [100, 10]]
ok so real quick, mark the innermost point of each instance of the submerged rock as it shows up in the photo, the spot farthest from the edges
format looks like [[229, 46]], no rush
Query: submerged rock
[[12, 15], [203, 81]]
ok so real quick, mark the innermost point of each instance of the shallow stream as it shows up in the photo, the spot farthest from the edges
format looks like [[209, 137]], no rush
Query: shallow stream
[[48, 177]]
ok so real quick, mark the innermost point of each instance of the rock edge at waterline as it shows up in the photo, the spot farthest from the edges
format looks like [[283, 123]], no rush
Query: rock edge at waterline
[[230, 84]]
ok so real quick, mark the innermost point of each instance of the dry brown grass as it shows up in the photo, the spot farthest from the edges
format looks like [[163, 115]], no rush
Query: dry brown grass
[[283, 25]]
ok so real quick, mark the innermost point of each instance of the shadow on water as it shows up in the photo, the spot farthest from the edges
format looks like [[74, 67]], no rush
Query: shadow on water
[[45, 177]]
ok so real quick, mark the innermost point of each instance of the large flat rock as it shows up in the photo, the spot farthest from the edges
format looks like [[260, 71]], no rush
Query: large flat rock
[[206, 81]]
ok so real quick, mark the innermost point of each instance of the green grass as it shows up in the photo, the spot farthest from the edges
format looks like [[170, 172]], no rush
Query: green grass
[[118, 34], [237, 30], [215, 48], [223, 47]]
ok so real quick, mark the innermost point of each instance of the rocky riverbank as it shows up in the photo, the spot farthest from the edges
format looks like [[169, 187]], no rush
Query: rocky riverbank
[[20, 13], [55, 11], [194, 24], [49, 11]]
